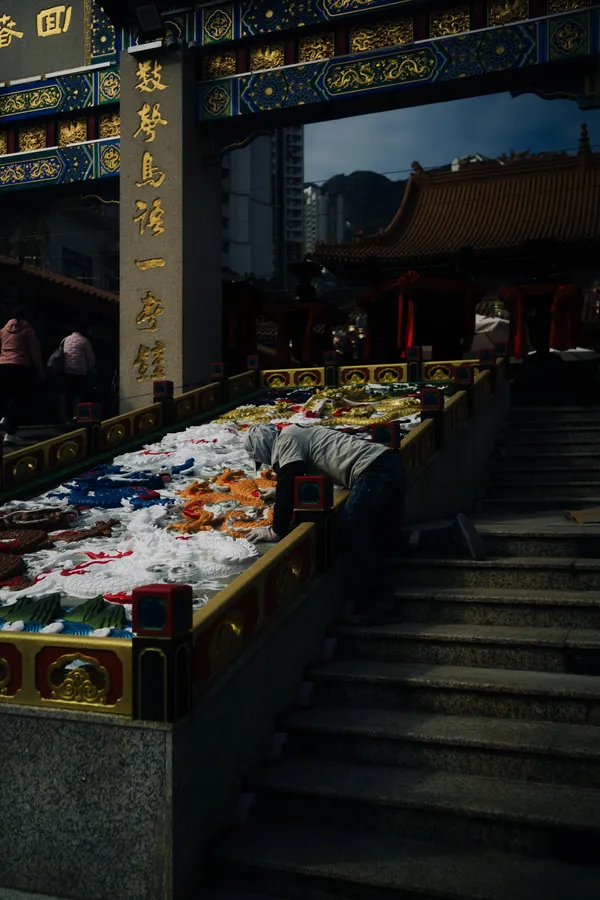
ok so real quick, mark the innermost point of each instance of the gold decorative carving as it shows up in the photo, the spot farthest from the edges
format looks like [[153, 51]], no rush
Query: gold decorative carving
[[288, 582], [227, 640], [25, 468], [276, 381], [5, 675], [115, 434], [219, 65], [28, 101], [147, 422], [449, 21], [502, 12], [309, 379], [68, 452], [269, 56], [32, 137], [218, 25], [381, 34], [150, 119], [3, 143], [317, 46], [560, 6], [389, 377], [440, 374], [111, 159], [87, 683], [72, 132], [110, 125], [144, 265]]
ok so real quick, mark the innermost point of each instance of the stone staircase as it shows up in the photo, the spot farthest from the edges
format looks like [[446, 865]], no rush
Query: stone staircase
[[455, 755]]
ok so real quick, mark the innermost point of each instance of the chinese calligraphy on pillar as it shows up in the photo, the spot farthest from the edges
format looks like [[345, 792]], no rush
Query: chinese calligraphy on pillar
[[149, 215]]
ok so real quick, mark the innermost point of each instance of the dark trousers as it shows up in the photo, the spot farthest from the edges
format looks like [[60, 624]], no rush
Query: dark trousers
[[372, 531], [75, 389], [16, 387]]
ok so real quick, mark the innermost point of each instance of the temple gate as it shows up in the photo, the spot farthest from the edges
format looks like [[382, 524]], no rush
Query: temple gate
[[157, 97]]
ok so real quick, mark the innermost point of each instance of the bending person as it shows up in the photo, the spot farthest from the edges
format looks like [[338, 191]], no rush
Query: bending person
[[372, 518]]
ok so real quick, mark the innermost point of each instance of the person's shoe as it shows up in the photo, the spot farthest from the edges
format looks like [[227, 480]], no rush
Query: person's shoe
[[469, 537], [374, 614]]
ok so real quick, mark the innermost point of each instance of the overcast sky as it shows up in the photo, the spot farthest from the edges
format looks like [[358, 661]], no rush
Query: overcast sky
[[434, 135]]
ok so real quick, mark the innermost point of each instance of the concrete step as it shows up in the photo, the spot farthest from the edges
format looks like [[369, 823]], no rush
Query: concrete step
[[501, 606], [521, 446], [317, 863], [505, 487], [556, 415], [542, 475], [518, 503], [494, 748], [523, 573], [510, 816], [549, 457], [554, 433], [486, 646], [566, 542], [457, 690]]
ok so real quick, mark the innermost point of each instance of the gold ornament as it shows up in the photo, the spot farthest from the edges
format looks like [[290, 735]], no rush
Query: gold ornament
[[382, 34], [110, 125], [32, 137], [317, 46], [269, 56], [449, 21], [72, 132]]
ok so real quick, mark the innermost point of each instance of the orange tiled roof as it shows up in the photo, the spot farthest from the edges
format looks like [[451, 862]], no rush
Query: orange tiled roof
[[487, 206]]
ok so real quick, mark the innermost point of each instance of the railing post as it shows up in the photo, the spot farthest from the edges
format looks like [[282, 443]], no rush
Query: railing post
[[164, 393], [162, 652], [218, 375], [389, 434], [464, 378], [487, 360], [432, 407], [414, 358], [330, 363], [313, 502], [89, 416]]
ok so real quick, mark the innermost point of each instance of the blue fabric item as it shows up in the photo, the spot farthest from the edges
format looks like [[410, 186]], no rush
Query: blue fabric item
[[188, 464], [121, 633], [77, 629]]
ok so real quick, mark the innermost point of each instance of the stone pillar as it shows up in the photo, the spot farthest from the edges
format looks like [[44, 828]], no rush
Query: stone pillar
[[171, 213]]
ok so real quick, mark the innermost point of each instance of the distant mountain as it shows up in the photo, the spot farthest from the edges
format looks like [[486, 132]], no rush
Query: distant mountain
[[371, 200]]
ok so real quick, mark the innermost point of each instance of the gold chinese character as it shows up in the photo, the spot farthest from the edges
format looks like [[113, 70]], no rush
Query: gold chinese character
[[142, 361], [152, 176], [145, 264], [150, 79], [150, 118], [151, 309], [54, 21], [150, 218], [8, 31]]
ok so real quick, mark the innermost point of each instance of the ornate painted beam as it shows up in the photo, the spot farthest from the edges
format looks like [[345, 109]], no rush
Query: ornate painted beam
[[61, 165], [460, 63], [56, 96]]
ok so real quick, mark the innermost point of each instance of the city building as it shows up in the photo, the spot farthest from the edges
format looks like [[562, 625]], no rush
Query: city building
[[288, 173], [324, 217]]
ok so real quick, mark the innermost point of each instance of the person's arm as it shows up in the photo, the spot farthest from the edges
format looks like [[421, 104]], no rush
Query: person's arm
[[284, 497], [33, 345]]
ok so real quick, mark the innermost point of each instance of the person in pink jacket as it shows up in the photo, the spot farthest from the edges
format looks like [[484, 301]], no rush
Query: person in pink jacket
[[20, 362], [78, 364]]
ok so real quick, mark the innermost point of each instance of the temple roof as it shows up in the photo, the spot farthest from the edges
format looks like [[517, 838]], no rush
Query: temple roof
[[35, 278], [490, 207]]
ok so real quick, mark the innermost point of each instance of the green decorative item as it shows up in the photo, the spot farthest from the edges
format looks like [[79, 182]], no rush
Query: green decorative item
[[97, 613], [29, 609]]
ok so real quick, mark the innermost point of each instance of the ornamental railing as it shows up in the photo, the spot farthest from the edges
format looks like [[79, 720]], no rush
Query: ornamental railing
[[174, 653]]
